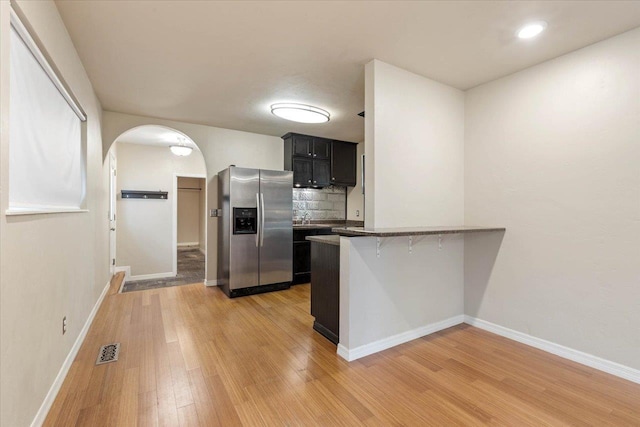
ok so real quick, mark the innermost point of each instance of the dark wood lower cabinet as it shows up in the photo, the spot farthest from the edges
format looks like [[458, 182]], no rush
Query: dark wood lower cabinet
[[302, 253], [325, 289]]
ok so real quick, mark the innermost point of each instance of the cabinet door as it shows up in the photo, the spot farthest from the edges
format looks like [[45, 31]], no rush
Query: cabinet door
[[301, 257], [302, 172], [321, 173], [343, 163], [321, 148], [302, 145]]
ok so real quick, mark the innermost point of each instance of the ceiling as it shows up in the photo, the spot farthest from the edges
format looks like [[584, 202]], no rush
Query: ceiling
[[224, 63], [159, 136]]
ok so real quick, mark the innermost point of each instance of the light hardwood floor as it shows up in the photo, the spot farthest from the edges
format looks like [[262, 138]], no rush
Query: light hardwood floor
[[191, 356]]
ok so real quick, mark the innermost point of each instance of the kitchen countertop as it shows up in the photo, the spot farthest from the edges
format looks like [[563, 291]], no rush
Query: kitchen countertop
[[328, 224], [330, 239], [315, 226], [411, 231]]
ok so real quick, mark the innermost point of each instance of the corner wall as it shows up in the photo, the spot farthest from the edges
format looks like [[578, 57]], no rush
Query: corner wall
[[145, 227], [552, 153], [414, 149], [51, 265], [414, 142]]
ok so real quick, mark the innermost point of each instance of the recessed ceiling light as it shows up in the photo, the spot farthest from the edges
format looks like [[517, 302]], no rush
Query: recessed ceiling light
[[532, 29], [300, 113]]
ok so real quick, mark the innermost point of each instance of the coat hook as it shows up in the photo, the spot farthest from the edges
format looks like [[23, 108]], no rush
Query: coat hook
[[378, 247], [410, 244], [439, 242]]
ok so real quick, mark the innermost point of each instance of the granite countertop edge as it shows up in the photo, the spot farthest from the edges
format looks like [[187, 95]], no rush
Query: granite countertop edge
[[417, 231], [328, 224]]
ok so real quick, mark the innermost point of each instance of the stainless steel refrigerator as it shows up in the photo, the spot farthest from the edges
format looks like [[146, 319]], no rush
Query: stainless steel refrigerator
[[255, 237]]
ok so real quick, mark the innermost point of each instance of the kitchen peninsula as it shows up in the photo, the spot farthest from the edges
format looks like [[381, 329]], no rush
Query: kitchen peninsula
[[399, 284]]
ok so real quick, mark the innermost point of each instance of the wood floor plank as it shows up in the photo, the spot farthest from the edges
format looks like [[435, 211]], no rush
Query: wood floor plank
[[190, 356]]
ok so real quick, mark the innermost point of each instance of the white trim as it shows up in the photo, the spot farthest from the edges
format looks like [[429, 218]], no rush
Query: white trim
[[22, 31], [152, 276], [42, 413], [401, 338], [210, 282], [587, 359], [41, 210], [126, 269], [127, 274], [184, 244]]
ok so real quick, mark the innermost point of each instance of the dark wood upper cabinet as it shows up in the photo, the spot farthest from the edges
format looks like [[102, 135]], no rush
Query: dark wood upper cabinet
[[321, 173], [319, 162], [302, 172], [344, 159], [321, 148], [302, 146]]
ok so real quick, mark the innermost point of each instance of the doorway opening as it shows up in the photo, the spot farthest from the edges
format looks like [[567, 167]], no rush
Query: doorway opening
[[145, 201], [191, 228]]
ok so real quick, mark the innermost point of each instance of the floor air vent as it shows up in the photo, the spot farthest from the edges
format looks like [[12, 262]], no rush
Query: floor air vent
[[108, 353]]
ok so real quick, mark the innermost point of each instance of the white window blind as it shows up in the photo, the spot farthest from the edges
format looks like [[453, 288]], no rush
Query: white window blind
[[46, 152]]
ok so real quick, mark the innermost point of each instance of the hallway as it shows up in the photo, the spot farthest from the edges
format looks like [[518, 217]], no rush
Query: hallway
[[190, 270]]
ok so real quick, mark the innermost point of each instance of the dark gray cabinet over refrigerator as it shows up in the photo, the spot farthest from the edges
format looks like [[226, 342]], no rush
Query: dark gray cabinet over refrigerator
[[319, 162], [255, 236]]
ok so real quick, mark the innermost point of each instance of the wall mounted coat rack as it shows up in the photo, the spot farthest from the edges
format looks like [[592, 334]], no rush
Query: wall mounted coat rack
[[133, 194]]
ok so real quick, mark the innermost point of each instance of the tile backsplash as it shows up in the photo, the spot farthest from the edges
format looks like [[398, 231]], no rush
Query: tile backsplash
[[321, 203]]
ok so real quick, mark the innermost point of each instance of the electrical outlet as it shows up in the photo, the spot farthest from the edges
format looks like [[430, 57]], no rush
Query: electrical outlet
[[358, 213], [64, 325]]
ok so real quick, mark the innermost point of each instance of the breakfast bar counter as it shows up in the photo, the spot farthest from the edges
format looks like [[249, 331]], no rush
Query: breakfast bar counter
[[411, 231]]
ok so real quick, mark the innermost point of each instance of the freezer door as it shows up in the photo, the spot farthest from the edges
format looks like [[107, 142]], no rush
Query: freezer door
[[244, 189], [276, 239]]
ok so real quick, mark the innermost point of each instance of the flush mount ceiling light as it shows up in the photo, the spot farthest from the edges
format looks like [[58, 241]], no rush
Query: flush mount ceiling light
[[181, 149], [300, 113], [531, 30]]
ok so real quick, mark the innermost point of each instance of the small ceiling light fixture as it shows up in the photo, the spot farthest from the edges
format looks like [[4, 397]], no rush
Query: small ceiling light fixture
[[531, 30], [300, 113], [181, 149]]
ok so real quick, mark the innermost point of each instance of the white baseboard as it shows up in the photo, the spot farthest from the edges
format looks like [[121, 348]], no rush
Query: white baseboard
[[125, 268], [587, 359], [183, 244], [211, 283], [151, 276], [42, 413], [392, 341]]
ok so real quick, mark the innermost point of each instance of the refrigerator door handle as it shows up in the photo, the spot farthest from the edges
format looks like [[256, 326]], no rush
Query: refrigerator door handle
[[262, 219], [259, 230]]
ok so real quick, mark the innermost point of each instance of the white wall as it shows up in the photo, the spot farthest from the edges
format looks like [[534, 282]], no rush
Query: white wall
[[51, 265], [355, 198], [145, 227], [414, 142], [220, 148], [552, 153], [190, 210], [414, 147], [398, 296]]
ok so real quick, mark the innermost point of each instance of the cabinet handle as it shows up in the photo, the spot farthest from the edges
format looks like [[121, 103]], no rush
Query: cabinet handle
[[333, 179], [315, 182], [314, 154], [309, 181], [308, 154]]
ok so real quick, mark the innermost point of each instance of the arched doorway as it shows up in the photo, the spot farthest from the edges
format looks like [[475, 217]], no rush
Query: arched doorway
[[148, 166]]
